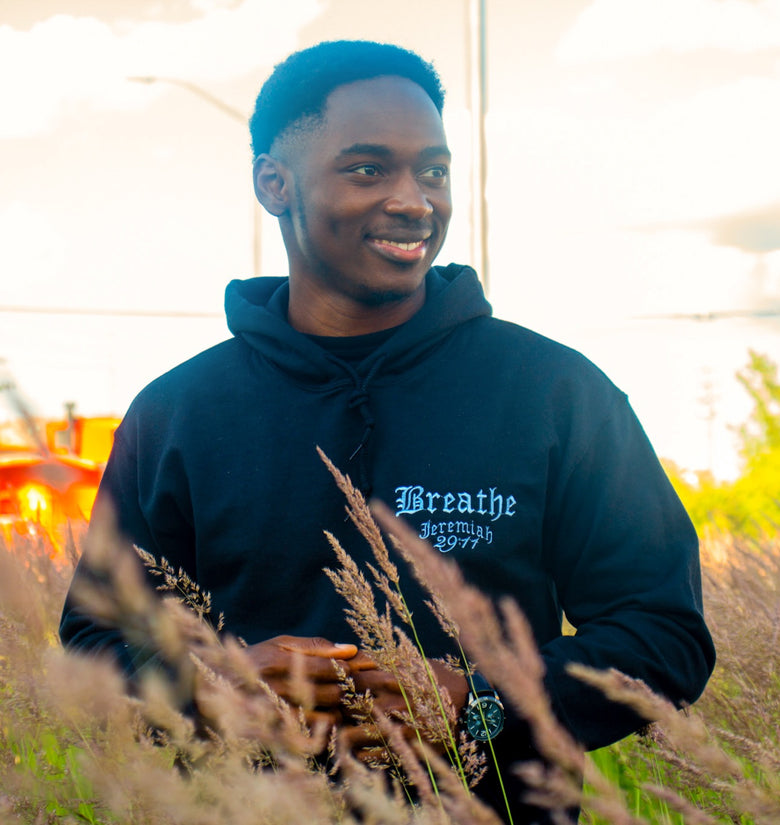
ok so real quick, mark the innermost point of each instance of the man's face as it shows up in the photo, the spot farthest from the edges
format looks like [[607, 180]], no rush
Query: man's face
[[370, 200]]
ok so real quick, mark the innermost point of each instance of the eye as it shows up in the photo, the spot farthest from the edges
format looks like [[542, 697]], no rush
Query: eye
[[435, 174], [370, 170]]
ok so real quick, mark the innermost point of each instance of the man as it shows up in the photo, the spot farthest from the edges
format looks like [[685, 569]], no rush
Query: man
[[509, 452]]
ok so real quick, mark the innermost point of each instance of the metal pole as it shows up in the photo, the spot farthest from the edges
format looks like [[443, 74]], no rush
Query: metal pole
[[478, 88]]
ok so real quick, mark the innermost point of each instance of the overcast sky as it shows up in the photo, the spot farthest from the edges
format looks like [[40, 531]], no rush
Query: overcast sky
[[632, 173]]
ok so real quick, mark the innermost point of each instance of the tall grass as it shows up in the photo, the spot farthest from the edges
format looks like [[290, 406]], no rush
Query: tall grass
[[75, 747]]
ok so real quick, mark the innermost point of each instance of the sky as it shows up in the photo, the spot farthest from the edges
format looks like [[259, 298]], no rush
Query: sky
[[632, 186]]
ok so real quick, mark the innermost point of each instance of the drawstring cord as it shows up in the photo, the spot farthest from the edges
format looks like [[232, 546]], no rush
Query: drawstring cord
[[359, 401]]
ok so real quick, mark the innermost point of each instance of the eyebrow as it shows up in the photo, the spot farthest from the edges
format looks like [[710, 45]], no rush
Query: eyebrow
[[380, 150]]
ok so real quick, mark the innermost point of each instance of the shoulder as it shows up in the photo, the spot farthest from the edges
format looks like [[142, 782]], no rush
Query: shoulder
[[190, 382], [549, 386], [538, 359]]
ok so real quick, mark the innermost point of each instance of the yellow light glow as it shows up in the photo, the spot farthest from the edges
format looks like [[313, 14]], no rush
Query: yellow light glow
[[35, 503], [84, 498]]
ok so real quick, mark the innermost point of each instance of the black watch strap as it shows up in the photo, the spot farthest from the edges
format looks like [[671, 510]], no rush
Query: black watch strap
[[479, 685]]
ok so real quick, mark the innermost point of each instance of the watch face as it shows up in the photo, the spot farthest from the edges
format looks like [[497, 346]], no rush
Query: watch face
[[485, 718]]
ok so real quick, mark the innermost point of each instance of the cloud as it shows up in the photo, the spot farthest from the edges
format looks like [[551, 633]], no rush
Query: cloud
[[66, 61], [616, 29], [754, 231]]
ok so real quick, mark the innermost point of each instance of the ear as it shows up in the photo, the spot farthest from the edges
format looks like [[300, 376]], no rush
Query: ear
[[271, 184]]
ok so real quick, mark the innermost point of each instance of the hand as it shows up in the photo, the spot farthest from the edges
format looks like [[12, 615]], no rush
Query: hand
[[389, 700], [387, 692], [293, 665]]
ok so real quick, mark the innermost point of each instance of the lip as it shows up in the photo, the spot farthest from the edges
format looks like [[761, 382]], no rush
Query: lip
[[403, 251]]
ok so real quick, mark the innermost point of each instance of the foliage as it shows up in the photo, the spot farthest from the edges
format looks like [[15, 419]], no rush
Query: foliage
[[750, 505], [761, 434], [741, 705]]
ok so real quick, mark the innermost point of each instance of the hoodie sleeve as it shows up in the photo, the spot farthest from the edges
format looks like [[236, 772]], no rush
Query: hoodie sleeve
[[625, 562], [124, 497]]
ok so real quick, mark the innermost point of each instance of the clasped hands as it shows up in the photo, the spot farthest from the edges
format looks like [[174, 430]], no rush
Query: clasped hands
[[279, 658]]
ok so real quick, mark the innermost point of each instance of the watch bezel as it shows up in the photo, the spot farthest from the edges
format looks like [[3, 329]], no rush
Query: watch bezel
[[477, 722]]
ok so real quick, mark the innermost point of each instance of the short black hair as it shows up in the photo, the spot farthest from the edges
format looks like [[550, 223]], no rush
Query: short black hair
[[299, 86]]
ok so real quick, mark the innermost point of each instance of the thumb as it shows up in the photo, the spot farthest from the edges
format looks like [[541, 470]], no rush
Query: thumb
[[317, 646]]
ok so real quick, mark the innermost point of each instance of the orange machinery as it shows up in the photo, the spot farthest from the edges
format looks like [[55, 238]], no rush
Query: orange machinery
[[48, 482]]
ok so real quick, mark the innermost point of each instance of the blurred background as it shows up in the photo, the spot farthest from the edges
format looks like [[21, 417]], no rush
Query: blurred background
[[615, 181]]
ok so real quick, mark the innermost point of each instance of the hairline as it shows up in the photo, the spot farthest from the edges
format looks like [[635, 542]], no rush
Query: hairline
[[296, 135]]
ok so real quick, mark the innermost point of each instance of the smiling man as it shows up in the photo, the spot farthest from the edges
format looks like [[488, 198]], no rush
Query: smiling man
[[363, 205], [511, 453]]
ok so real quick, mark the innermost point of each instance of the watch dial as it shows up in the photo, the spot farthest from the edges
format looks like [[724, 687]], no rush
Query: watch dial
[[485, 718]]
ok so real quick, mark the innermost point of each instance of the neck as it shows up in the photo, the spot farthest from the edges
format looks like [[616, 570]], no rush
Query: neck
[[339, 316]]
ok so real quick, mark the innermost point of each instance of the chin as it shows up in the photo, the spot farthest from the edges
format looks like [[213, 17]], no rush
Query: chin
[[394, 287], [374, 297]]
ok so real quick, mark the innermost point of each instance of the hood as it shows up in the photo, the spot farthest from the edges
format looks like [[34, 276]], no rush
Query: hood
[[256, 311]]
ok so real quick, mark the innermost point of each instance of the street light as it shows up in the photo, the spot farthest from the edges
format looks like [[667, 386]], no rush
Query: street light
[[229, 110], [234, 114]]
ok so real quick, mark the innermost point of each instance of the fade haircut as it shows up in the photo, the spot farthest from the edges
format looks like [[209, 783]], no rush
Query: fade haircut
[[293, 98]]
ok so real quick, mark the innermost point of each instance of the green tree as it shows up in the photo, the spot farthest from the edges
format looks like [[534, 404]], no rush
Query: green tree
[[761, 434], [750, 505]]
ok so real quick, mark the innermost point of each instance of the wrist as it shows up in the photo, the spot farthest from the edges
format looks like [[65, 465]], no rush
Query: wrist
[[483, 714]]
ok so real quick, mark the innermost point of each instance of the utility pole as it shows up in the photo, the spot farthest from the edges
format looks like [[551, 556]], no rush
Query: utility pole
[[478, 99], [708, 400]]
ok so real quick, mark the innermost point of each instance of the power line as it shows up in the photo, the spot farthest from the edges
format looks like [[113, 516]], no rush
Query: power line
[[113, 313], [716, 315]]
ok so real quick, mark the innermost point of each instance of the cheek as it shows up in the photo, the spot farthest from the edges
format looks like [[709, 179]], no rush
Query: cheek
[[443, 205], [342, 220], [326, 215]]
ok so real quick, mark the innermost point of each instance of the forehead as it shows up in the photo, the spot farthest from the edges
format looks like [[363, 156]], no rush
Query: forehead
[[389, 111]]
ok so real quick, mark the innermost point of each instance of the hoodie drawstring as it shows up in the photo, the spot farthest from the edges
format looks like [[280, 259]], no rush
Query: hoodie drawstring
[[359, 401]]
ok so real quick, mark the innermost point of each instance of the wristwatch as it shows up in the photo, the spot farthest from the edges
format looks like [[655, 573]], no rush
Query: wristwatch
[[484, 713]]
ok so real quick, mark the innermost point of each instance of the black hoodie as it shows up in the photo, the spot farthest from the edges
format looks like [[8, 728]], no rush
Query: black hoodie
[[508, 451]]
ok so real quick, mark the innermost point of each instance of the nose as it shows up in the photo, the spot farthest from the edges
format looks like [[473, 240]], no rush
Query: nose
[[408, 199]]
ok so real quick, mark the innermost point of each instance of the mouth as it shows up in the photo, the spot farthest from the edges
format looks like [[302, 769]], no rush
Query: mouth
[[401, 251]]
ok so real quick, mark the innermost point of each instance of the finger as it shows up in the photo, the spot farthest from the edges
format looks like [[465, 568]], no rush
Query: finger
[[317, 669], [353, 737], [317, 646], [377, 681], [370, 756], [322, 718], [390, 705], [294, 664], [361, 661], [326, 695]]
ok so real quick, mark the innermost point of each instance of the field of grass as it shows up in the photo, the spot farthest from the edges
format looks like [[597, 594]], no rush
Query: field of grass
[[75, 748]]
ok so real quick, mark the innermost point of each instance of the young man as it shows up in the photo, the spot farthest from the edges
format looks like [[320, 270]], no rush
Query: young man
[[509, 452]]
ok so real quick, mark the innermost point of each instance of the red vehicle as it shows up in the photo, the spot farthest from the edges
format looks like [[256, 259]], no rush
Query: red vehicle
[[49, 481]]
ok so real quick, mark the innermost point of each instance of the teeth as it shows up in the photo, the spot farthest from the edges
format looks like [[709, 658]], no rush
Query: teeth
[[406, 246]]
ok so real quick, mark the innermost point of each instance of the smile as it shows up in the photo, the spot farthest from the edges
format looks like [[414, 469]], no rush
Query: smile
[[400, 245], [402, 251]]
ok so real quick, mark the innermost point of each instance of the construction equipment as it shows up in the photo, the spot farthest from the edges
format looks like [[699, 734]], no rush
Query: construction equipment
[[49, 479]]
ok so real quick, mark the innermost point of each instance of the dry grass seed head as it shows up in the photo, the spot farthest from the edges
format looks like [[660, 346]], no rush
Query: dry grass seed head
[[360, 516], [510, 660]]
